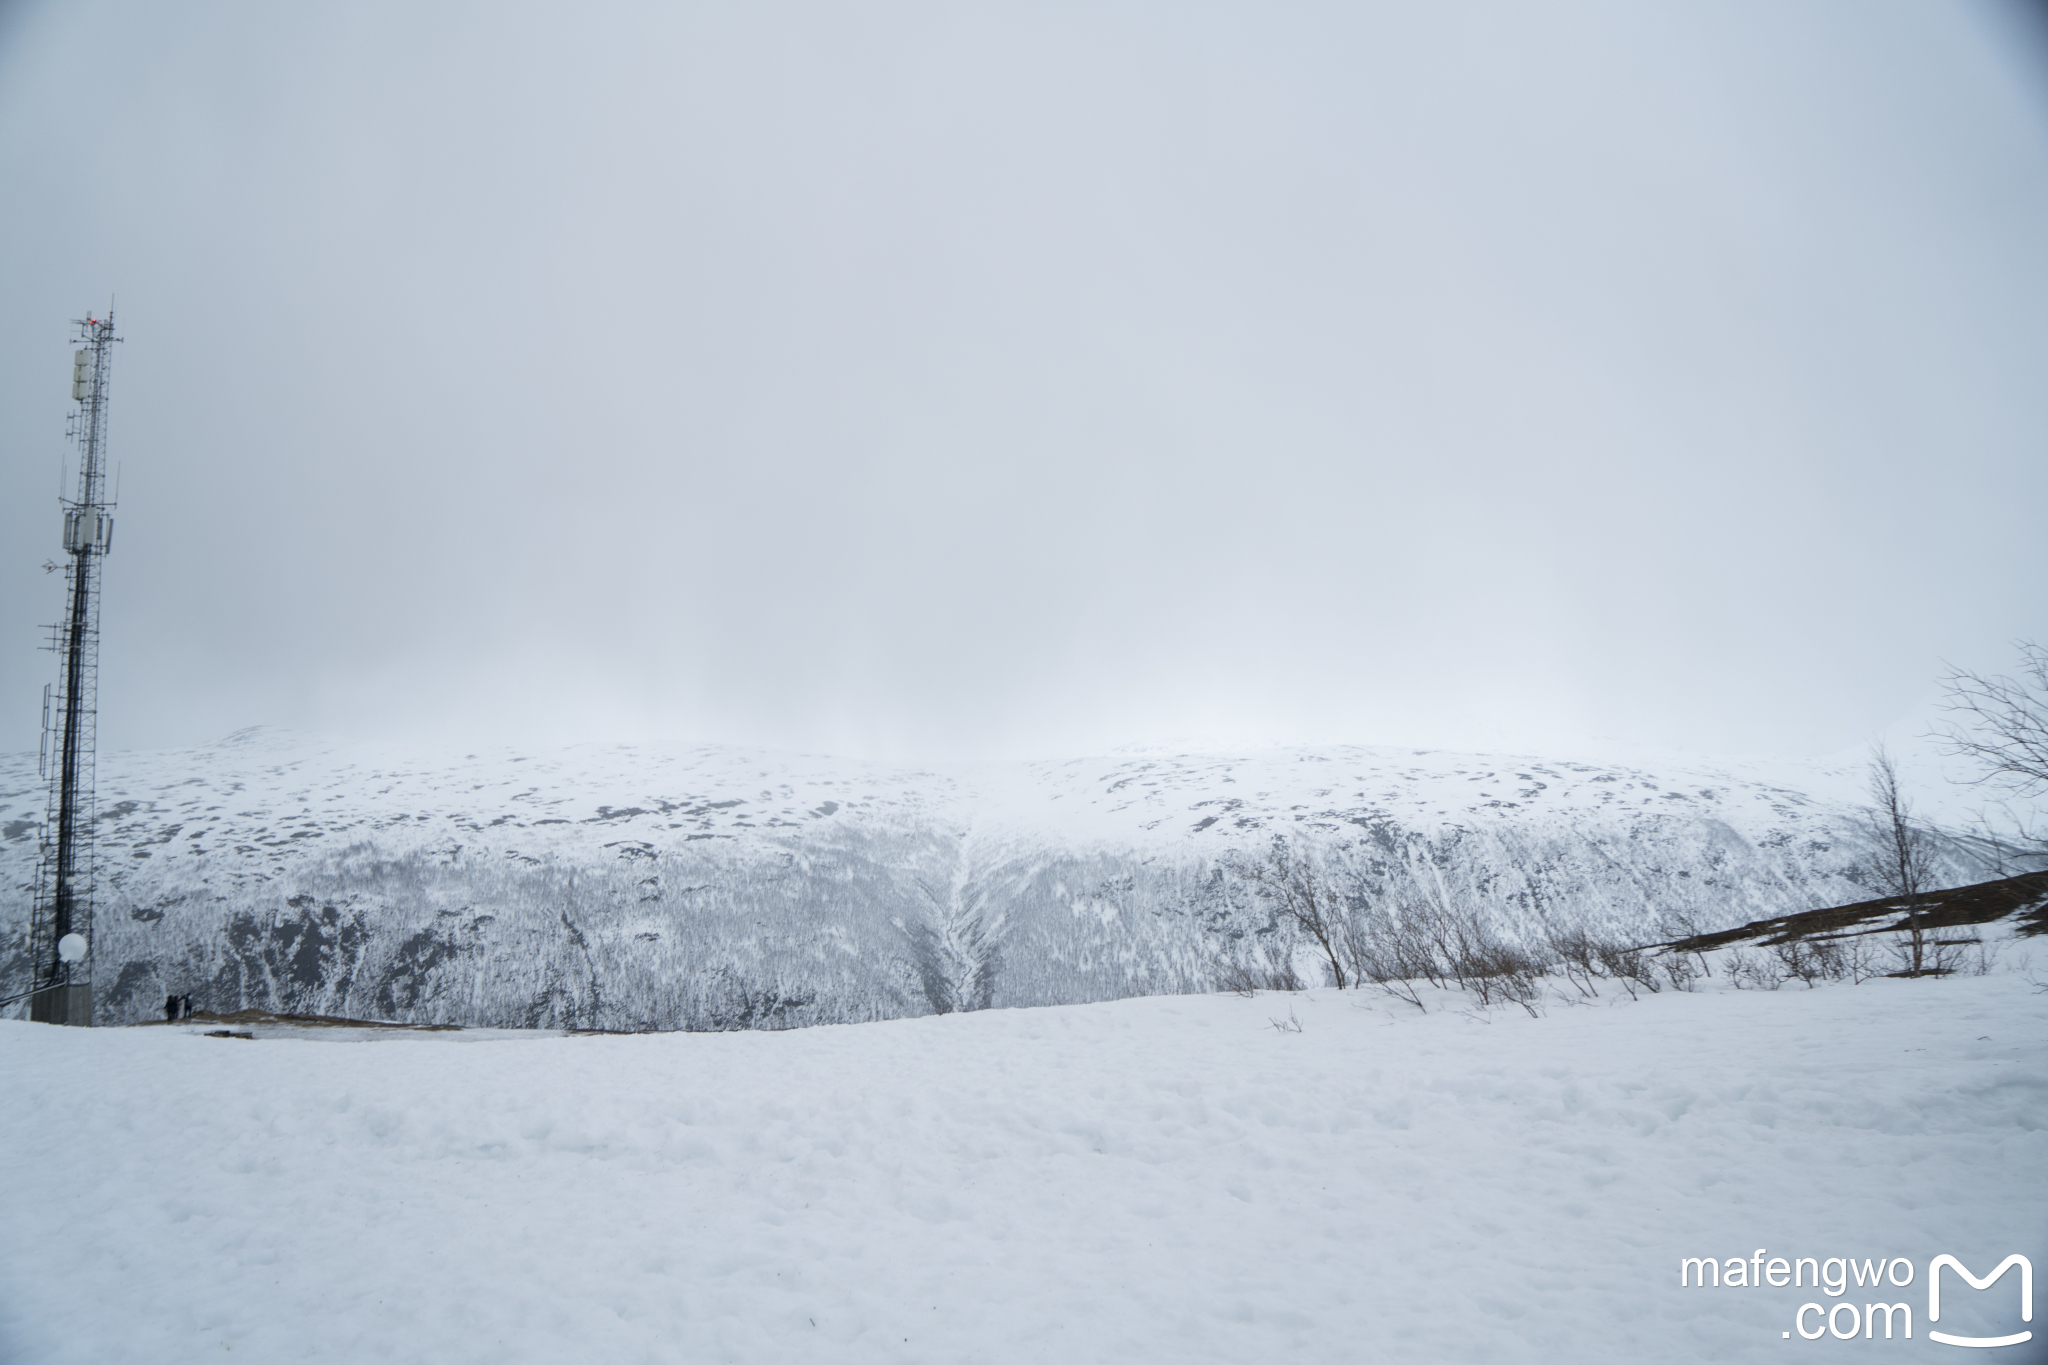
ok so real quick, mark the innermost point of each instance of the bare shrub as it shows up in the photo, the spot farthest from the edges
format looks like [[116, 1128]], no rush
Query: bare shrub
[[1497, 971], [1387, 939], [1631, 967], [1415, 923], [1809, 961], [1917, 955], [1475, 955], [1584, 957], [1861, 959], [1294, 880], [1402, 944], [1383, 952], [1679, 967], [1753, 971], [1952, 955], [1578, 958], [1404, 989], [1454, 940], [1681, 925], [1247, 976], [1852, 958]]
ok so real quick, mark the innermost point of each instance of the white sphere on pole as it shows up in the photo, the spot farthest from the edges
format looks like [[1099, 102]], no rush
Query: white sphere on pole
[[71, 948]]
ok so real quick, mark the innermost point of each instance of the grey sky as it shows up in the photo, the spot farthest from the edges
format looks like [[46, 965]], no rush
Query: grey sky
[[949, 379]]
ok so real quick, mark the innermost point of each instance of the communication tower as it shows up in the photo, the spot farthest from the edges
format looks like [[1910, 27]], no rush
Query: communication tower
[[60, 935]]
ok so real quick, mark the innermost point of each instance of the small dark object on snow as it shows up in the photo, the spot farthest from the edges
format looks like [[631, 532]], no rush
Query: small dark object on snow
[[228, 1033]]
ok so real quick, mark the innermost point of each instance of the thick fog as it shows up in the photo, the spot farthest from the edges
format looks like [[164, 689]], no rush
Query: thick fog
[[936, 380]]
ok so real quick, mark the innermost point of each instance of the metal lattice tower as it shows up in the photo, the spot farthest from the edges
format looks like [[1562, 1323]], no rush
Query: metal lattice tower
[[62, 986]]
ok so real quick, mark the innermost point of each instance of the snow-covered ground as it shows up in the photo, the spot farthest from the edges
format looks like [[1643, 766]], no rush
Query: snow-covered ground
[[1166, 1179]]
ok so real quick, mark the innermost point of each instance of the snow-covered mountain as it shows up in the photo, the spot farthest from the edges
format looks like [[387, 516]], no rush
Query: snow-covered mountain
[[638, 886]]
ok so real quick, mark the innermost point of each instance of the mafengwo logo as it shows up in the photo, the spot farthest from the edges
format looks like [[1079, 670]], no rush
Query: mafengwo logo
[[2026, 1298], [1846, 1319]]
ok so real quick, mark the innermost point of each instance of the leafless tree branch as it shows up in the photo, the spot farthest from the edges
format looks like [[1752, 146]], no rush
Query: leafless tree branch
[[1903, 858], [2002, 722]]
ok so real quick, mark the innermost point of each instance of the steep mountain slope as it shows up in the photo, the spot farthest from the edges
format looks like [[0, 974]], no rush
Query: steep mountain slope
[[630, 887]]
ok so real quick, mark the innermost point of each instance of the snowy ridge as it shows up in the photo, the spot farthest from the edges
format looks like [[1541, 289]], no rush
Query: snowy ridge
[[644, 886]]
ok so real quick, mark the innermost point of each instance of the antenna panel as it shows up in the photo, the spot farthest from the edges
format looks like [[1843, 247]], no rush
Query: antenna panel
[[82, 529]]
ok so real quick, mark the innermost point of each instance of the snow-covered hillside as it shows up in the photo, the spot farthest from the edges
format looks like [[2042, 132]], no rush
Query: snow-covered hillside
[[636, 887], [1169, 1180]]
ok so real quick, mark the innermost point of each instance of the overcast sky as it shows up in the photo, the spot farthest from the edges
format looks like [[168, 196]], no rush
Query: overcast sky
[[951, 379]]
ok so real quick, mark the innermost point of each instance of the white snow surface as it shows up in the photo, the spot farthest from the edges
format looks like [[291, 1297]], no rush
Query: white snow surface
[[1163, 1179]]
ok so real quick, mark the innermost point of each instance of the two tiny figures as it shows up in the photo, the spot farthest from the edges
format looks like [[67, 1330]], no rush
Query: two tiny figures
[[177, 1007]]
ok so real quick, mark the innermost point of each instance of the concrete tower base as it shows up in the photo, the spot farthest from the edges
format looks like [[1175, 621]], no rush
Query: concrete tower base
[[63, 1005]]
